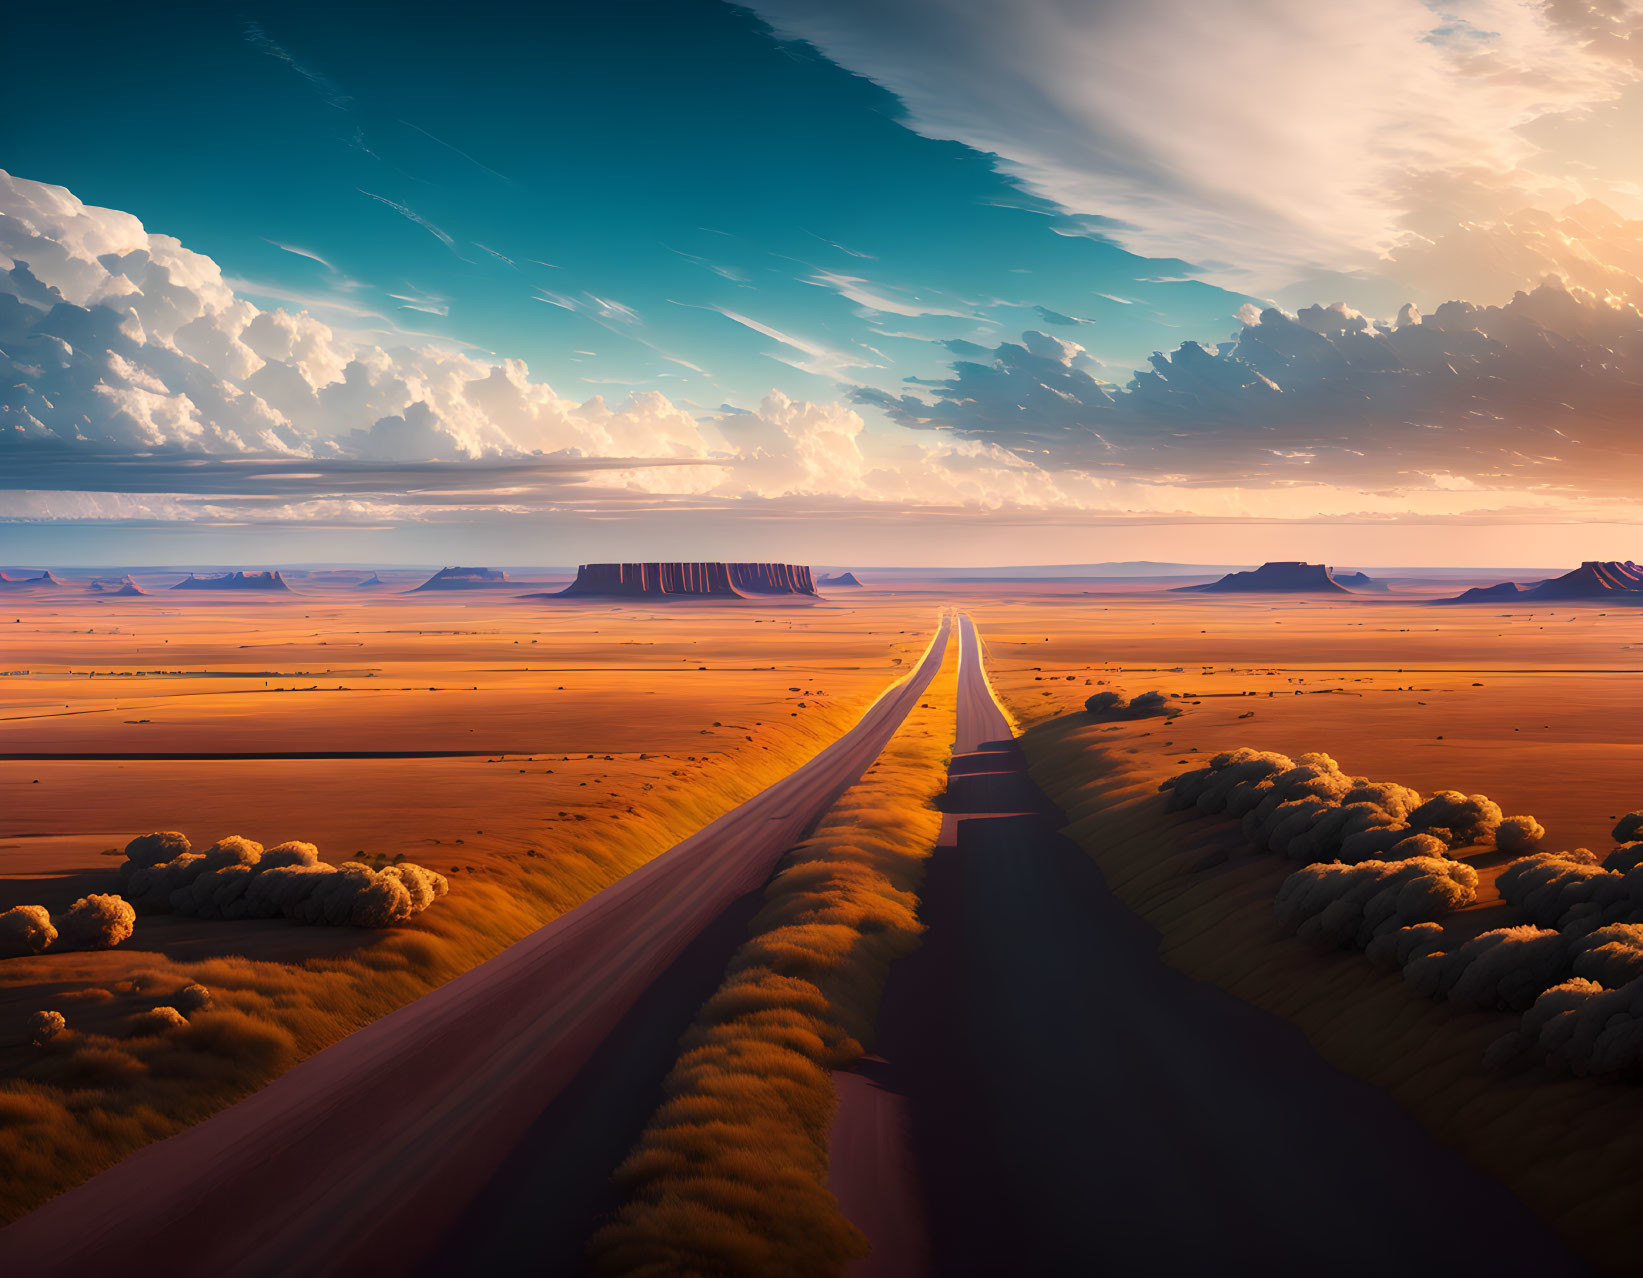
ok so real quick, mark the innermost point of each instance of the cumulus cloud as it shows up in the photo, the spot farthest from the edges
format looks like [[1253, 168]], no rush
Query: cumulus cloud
[[123, 339], [130, 358], [1541, 390]]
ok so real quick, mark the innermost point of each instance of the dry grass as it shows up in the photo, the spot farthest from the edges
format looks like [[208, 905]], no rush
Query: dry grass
[[1568, 1147], [730, 1176], [280, 991]]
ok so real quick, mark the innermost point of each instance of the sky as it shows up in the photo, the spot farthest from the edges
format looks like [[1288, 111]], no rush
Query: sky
[[934, 281]]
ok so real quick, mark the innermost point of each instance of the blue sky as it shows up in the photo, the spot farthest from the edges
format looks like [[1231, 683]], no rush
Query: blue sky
[[671, 161], [912, 278]]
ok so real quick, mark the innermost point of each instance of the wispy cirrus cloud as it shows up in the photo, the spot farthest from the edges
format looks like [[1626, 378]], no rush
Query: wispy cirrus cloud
[[1264, 142]]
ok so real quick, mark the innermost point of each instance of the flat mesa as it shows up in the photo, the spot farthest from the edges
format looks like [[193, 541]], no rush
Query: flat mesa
[[1289, 577], [709, 580], [459, 579]]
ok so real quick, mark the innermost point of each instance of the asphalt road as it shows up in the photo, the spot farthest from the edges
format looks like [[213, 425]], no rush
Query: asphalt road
[[359, 1159], [1049, 1097]]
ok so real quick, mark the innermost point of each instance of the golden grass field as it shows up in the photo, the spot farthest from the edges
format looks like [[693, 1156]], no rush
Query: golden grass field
[[730, 1176], [599, 737], [1393, 691], [573, 742]]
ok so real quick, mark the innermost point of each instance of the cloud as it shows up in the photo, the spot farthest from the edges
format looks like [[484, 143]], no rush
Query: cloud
[[411, 215], [141, 386], [877, 298], [1280, 136], [1541, 391], [327, 90], [120, 341]]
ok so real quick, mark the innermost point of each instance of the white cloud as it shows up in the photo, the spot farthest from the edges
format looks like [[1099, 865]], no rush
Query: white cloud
[[1280, 136], [122, 346]]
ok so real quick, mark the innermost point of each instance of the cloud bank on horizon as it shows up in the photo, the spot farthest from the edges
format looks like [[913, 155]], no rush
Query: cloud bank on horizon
[[147, 385], [129, 353]]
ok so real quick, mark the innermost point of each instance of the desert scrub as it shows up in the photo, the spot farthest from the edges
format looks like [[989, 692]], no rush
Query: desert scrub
[[92, 1099], [730, 1175], [1568, 1146]]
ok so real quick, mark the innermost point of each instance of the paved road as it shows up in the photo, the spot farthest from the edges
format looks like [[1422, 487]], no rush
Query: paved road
[[1070, 1104], [358, 1159]]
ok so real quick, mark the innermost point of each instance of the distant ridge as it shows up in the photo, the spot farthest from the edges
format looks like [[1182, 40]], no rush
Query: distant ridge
[[839, 579], [1358, 581], [1594, 579], [43, 579], [1617, 580], [124, 586], [235, 581], [373, 580], [1290, 576], [461, 579], [1506, 591], [691, 580]]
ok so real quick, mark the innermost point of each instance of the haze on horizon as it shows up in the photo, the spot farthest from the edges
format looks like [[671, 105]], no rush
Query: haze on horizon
[[693, 279]]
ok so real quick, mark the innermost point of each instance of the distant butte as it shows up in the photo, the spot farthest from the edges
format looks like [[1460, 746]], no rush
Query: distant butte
[[1611, 580], [841, 579], [462, 579], [43, 579], [692, 580], [234, 581], [123, 586], [373, 580], [1290, 577]]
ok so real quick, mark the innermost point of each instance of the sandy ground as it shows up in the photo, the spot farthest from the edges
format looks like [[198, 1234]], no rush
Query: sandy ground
[[540, 718], [1541, 710], [351, 1161], [561, 747], [538, 726]]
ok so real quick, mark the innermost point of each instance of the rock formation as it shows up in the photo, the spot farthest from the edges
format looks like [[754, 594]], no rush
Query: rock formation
[[463, 579], [1290, 576], [840, 579], [234, 581], [25, 583], [1612, 580], [700, 580], [1358, 581], [122, 586], [372, 580], [1594, 579], [1504, 592]]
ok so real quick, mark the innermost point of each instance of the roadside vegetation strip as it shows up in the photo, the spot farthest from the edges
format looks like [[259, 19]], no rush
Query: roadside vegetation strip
[[1567, 1144], [730, 1175], [76, 1100]]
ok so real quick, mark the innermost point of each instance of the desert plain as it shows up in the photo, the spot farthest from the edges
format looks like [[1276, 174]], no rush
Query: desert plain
[[535, 751]]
